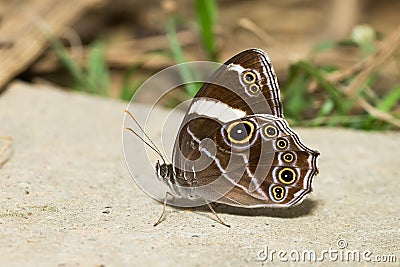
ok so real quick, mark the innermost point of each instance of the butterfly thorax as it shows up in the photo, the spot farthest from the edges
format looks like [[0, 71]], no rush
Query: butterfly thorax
[[165, 174], [179, 186], [164, 171]]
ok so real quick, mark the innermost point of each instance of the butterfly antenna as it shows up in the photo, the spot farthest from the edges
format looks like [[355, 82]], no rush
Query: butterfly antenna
[[151, 144]]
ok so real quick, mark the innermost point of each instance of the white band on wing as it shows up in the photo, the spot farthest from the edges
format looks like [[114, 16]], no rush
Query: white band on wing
[[216, 109]]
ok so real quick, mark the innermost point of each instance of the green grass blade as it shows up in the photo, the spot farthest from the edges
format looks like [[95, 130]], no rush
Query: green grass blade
[[206, 13], [340, 102], [390, 100], [66, 60], [323, 46], [326, 108], [295, 90], [334, 120], [97, 71], [185, 72], [129, 88]]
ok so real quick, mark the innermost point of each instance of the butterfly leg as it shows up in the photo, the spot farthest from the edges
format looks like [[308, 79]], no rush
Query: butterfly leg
[[8, 142], [216, 215], [163, 211]]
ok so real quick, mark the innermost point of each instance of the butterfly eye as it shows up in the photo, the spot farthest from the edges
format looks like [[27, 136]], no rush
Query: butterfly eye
[[240, 132], [249, 77], [287, 176], [254, 88], [278, 192], [288, 157], [281, 143], [270, 131]]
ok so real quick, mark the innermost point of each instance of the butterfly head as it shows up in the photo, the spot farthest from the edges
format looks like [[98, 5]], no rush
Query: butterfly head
[[163, 171]]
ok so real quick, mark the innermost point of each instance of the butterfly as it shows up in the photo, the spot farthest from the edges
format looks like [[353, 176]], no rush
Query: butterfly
[[234, 146]]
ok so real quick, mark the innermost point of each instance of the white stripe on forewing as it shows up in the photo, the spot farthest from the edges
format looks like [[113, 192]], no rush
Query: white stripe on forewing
[[239, 69], [216, 109]]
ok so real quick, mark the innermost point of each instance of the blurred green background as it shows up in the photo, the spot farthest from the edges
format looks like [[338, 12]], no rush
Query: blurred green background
[[337, 61]]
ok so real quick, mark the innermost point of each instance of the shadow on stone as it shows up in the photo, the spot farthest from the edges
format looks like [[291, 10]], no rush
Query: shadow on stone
[[303, 209]]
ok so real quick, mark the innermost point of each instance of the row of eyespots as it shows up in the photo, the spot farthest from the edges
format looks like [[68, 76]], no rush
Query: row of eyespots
[[249, 78], [271, 131], [240, 132], [286, 175]]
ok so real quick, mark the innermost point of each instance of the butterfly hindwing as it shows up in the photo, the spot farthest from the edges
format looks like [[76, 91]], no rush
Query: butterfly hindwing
[[248, 173]]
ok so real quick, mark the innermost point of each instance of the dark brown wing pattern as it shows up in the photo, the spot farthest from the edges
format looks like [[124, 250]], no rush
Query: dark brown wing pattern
[[257, 95], [234, 146]]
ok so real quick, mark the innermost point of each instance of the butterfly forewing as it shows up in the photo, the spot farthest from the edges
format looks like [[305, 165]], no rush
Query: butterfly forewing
[[229, 85]]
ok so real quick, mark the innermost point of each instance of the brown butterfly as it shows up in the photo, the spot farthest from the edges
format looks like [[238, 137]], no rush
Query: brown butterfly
[[234, 145]]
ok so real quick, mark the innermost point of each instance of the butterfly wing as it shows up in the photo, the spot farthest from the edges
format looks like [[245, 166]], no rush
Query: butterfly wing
[[279, 170], [246, 82], [227, 148]]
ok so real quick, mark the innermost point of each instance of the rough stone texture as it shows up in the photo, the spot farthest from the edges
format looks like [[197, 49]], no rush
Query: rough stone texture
[[67, 197]]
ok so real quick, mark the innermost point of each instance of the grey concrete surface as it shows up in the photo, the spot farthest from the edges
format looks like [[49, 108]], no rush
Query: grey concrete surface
[[67, 199]]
